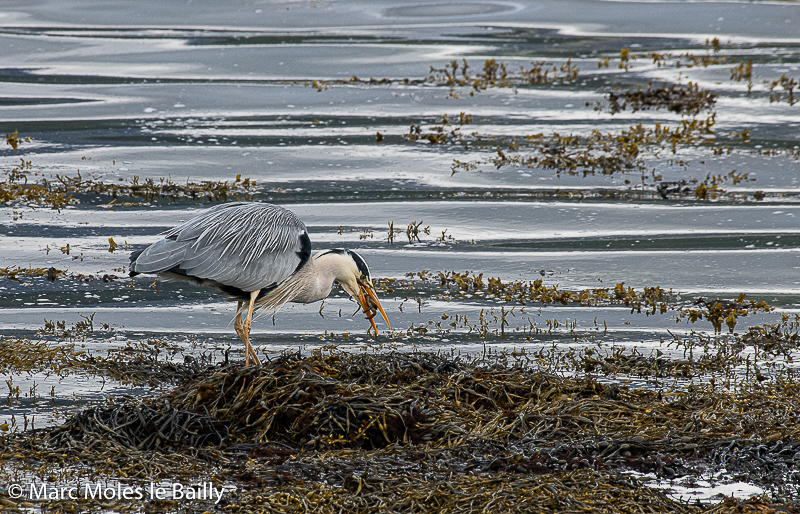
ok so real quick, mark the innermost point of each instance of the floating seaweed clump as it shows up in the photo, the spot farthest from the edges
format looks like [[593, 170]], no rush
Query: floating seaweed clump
[[12, 272], [775, 339], [711, 57], [60, 192], [52, 274], [496, 74], [604, 153], [13, 140], [650, 300], [723, 311], [678, 98], [709, 188], [455, 74], [15, 189], [150, 189], [787, 84]]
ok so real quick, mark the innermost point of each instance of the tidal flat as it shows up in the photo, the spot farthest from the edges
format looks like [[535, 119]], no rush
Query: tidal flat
[[581, 218]]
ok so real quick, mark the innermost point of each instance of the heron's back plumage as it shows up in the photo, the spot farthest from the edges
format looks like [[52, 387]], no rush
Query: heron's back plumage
[[238, 247]]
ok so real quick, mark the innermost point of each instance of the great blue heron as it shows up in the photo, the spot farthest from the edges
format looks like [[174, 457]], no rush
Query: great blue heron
[[259, 255]]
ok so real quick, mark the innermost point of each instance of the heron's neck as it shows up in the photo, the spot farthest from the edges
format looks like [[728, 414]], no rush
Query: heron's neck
[[314, 281]]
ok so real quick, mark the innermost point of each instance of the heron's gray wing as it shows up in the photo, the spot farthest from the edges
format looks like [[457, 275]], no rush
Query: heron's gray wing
[[244, 245]]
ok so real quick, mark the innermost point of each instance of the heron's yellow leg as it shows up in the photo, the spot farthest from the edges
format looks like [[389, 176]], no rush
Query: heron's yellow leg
[[237, 325], [246, 329]]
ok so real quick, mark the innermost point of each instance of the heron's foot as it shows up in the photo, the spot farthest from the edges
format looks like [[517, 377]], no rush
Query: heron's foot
[[250, 351], [255, 356], [240, 331]]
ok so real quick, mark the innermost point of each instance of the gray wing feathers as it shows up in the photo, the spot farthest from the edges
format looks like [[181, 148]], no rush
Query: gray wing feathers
[[244, 245]]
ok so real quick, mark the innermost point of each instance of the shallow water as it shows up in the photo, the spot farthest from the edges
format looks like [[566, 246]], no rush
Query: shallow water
[[207, 91]]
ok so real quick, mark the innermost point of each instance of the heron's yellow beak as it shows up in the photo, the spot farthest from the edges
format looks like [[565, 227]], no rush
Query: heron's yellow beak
[[370, 304]]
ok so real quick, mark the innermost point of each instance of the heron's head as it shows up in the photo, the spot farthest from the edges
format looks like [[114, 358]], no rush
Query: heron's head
[[353, 274]]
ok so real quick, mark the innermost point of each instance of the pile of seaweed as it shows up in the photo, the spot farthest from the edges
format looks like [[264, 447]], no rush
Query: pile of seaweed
[[678, 98], [428, 432]]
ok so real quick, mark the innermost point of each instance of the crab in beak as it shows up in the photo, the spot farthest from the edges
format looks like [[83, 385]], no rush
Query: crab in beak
[[370, 304]]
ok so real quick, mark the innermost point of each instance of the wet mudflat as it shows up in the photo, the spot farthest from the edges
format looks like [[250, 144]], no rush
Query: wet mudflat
[[582, 224]]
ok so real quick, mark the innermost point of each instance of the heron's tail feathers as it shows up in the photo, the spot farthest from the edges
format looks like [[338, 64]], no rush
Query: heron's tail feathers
[[135, 255]]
